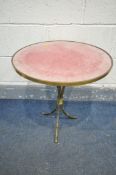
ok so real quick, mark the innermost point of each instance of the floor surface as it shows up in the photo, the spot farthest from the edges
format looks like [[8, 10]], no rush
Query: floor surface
[[87, 145]]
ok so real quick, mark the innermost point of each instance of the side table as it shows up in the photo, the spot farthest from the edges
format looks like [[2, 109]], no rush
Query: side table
[[61, 64]]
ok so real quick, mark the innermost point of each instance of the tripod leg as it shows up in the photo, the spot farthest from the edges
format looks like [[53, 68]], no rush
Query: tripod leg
[[57, 126], [68, 115], [49, 113]]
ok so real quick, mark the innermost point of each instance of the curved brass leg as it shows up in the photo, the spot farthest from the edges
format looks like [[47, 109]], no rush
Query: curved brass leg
[[64, 112], [68, 115], [49, 113]]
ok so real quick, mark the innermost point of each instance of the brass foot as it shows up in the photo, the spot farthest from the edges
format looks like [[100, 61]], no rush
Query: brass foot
[[68, 115], [49, 113]]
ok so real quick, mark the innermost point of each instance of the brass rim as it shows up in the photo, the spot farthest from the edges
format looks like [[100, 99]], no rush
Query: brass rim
[[62, 83]]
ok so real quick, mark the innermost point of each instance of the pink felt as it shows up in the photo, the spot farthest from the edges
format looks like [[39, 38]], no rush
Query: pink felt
[[62, 61]]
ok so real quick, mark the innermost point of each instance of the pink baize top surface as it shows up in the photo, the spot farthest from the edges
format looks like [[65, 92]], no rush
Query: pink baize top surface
[[62, 62]]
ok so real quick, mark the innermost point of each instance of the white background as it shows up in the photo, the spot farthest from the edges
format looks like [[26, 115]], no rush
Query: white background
[[23, 22]]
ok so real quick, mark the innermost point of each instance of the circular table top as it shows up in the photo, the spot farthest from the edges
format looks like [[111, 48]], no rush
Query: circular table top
[[62, 63]]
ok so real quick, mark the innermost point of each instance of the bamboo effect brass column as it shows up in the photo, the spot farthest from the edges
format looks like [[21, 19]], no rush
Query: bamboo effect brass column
[[59, 108]]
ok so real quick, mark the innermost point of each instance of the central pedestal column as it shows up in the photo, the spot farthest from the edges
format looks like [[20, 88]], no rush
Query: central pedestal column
[[59, 108]]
